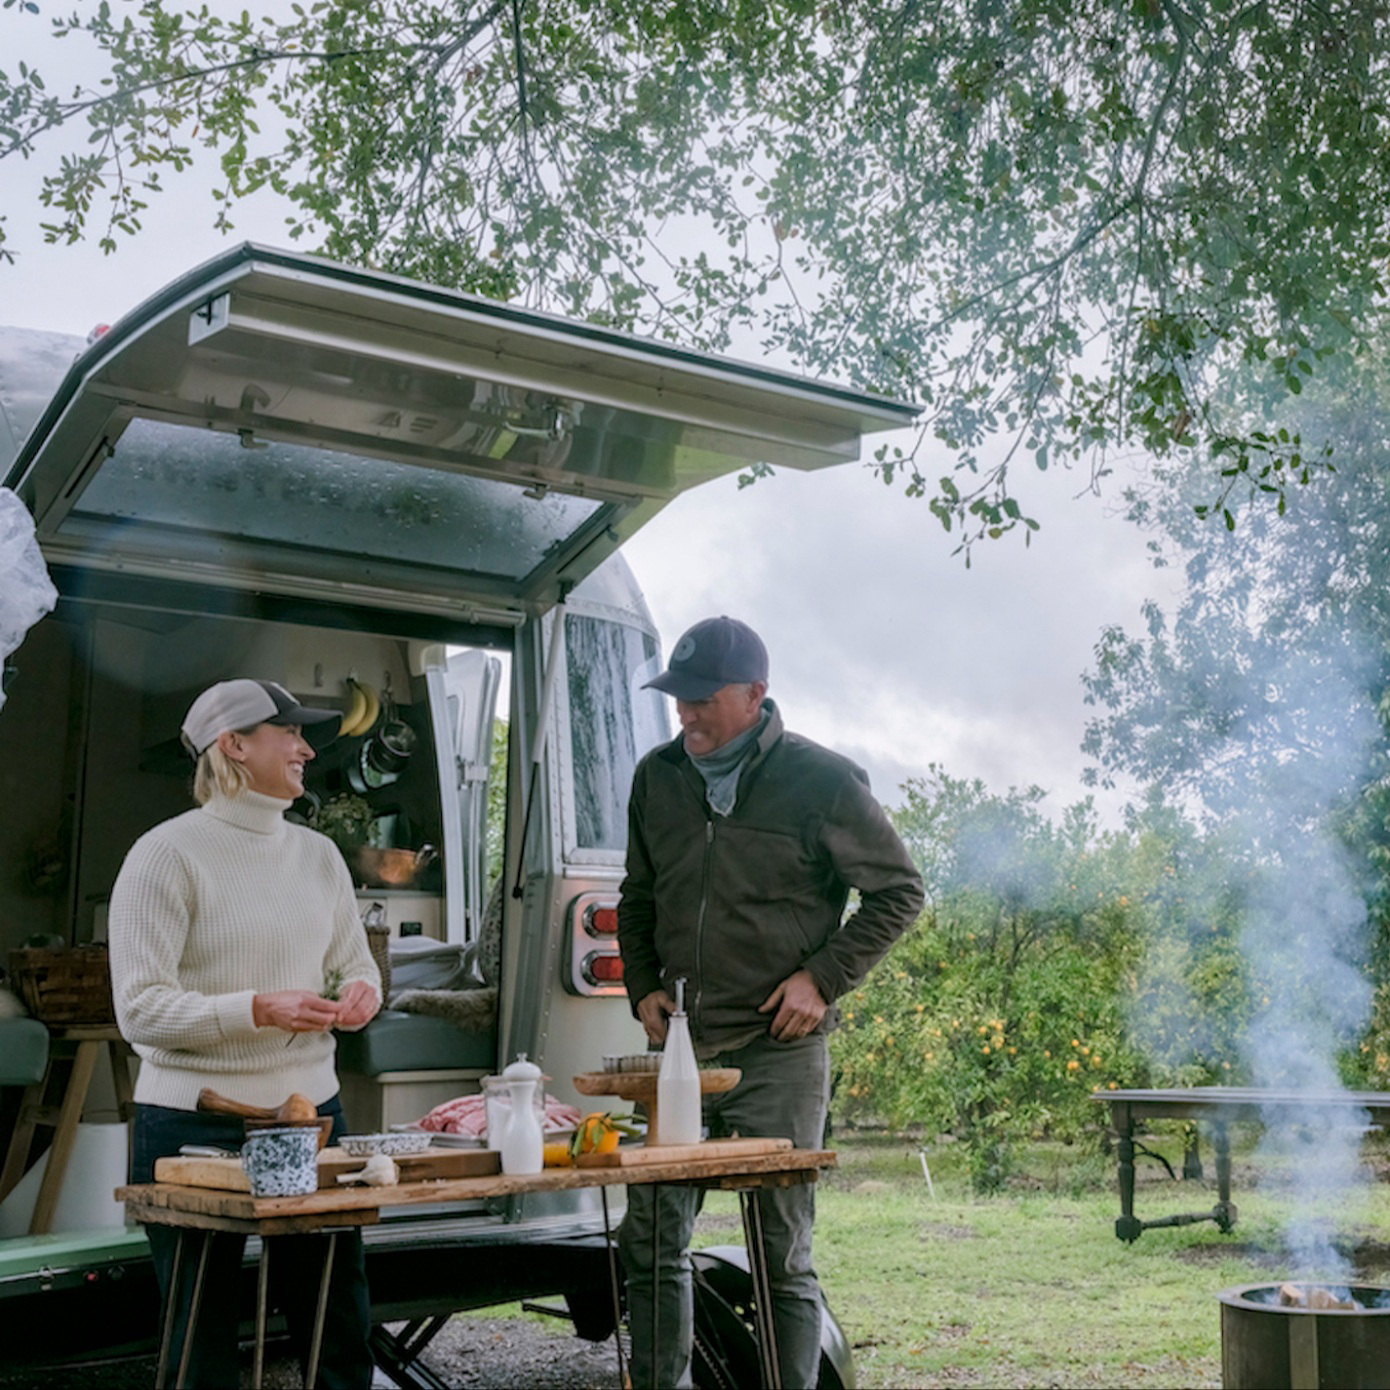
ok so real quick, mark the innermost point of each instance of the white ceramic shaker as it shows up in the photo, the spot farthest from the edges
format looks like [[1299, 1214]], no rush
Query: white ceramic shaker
[[522, 1142], [678, 1119]]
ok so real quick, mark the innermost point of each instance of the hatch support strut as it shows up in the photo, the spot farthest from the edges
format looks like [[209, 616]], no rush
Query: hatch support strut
[[554, 662]]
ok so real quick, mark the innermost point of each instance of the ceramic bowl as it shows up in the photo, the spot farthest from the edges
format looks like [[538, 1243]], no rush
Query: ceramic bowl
[[633, 1062], [282, 1162], [322, 1126], [365, 1145]]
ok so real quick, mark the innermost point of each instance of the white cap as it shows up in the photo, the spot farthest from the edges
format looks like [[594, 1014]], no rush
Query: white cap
[[242, 704]]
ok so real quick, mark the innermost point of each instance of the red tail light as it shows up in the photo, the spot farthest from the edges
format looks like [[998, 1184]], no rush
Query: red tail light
[[601, 921], [603, 969]]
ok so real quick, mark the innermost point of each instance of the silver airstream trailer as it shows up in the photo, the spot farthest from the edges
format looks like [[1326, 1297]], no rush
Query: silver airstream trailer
[[352, 482]]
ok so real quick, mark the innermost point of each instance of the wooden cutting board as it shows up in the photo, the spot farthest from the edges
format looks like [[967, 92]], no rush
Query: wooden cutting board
[[227, 1174], [629, 1156]]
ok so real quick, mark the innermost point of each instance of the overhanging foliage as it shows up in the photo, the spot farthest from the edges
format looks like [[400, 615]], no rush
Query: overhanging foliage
[[1087, 226]]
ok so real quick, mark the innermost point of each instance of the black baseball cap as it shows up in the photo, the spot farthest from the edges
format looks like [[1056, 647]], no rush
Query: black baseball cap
[[714, 653]]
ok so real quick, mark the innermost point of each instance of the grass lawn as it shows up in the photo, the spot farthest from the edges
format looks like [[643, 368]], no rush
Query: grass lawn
[[1032, 1288]]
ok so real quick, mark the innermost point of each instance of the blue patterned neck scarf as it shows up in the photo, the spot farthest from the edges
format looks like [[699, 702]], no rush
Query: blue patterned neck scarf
[[722, 768]]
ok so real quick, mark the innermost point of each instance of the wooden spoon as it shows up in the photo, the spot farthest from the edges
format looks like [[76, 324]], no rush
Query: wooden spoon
[[296, 1109]]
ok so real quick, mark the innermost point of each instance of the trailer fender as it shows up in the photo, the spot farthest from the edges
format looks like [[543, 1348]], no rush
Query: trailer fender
[[725, 1351]]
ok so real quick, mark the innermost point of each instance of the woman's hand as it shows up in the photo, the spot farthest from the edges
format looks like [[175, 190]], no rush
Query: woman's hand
[[357, 1005], [294, 1011]]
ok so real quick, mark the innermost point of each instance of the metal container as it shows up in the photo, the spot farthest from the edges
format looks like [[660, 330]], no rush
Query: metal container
[[1268, 1346]]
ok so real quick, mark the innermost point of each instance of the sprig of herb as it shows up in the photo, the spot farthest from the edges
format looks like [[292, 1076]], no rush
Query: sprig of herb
[[332, 987]]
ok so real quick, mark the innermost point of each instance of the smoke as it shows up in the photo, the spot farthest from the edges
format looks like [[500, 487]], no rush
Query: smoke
[[1304, 936], [1293, 746]]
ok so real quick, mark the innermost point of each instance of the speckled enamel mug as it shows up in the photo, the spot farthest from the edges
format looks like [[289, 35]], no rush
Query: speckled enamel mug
[[282, 1162]]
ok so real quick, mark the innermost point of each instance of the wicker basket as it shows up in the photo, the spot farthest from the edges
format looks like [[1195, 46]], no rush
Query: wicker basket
[[379, 940], [67, 985]]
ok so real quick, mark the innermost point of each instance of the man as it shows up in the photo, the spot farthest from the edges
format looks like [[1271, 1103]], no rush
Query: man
[[744, 841]]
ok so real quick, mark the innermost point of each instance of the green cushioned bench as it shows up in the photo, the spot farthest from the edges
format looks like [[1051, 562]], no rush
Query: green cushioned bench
[[23, 1051], [401, 1065], [395, 1041]]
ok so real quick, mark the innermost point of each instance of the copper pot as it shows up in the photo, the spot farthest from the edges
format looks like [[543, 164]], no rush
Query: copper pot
[[390, 868]]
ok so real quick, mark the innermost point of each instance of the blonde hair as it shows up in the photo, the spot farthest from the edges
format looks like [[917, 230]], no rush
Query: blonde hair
[[219, 775]]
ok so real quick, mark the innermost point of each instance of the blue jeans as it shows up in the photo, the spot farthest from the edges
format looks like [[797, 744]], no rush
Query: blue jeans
[[784, 1093], [296, 1266]]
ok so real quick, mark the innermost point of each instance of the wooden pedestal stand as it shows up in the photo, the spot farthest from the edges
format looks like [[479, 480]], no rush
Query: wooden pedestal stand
[[640, 1087]]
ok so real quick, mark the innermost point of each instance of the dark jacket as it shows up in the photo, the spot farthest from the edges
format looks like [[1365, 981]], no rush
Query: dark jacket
[[738, 903]]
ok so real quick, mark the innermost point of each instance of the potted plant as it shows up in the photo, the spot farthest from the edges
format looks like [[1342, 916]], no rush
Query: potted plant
[[347, 820]]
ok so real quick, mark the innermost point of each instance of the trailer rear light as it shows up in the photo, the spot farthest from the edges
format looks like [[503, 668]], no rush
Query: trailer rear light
[[592, 964], [601, 920], [603, 969]]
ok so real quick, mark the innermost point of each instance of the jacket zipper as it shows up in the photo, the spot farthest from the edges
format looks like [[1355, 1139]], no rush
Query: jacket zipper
[[694, 1007]]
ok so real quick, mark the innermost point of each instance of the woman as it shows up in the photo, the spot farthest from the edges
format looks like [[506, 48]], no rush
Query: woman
[[236, 948]]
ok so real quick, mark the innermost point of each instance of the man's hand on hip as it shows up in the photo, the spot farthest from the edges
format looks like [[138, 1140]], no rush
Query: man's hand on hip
[[653, 1010], [799, 1006]]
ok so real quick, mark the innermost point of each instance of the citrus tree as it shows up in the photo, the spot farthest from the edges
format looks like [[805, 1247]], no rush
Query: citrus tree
[[1053, 962]]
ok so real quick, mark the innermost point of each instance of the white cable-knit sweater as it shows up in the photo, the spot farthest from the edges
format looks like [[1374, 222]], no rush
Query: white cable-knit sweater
[[210, 909]]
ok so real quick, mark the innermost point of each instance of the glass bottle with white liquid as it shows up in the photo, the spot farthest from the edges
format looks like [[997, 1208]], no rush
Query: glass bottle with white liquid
[[678, 1119]]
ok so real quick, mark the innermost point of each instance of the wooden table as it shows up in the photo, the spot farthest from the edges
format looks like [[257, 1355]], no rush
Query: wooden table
[[204, 1210], [1220, 1106]]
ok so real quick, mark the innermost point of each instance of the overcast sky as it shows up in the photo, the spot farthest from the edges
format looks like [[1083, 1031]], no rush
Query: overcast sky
[[883, 644]]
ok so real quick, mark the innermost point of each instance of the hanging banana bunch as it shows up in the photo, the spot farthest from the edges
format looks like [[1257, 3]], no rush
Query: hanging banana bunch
[[364, 708]]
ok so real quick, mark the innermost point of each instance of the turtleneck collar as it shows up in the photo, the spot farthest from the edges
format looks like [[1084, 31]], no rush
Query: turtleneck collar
[[248, 810]]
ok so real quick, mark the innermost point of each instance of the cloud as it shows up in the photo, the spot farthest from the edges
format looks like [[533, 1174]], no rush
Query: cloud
[[883, 644]]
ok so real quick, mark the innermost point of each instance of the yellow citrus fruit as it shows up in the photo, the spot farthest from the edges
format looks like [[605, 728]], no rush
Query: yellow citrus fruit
[[557, 1154]]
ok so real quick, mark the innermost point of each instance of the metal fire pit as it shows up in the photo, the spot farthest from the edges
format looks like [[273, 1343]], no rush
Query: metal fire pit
[[1266, 1346]]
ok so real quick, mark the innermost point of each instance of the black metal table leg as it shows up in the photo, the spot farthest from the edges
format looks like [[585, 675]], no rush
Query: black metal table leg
[[614, 1290], [763, 1319], [262, 1301], [655, 1341], [194, 1307], [311, 1371], [166, 1336]]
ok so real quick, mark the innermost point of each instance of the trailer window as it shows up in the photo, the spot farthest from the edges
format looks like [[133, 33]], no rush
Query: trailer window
[[613, 721], [174, 484]]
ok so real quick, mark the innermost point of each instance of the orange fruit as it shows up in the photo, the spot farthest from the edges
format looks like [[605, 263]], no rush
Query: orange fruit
[[599, 1132], [557, 1154]]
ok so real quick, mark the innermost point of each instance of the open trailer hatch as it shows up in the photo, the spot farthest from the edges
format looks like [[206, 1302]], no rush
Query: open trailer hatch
[[274, 420]]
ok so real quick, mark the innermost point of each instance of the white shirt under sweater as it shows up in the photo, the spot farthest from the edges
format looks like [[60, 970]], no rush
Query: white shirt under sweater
[[210, 909]]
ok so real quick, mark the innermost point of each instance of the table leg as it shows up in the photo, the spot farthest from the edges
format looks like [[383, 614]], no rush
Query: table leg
[[74, 1097], [124, 1089], [262, 1303], [17, 1156], [656, 1275], [1225, 1212], [614, 1288], [1128, 1227], [762, 1289], [194, 1307], [311, 1371], [166, 1335]]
